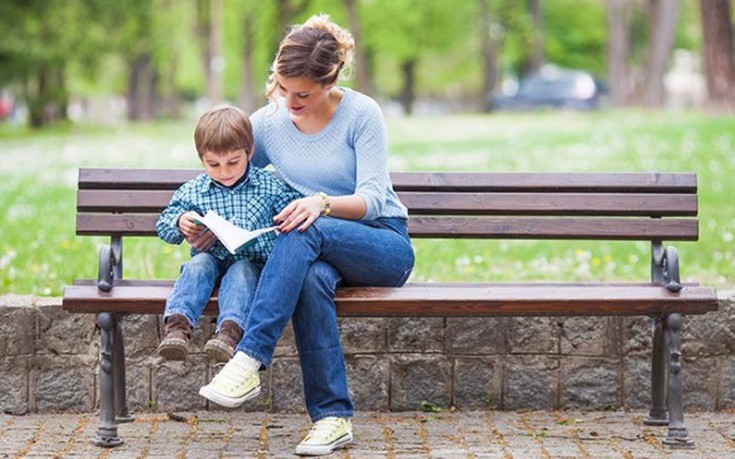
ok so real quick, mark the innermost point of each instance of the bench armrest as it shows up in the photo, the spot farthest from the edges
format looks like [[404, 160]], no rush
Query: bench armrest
[[671, 269], [110, 265]]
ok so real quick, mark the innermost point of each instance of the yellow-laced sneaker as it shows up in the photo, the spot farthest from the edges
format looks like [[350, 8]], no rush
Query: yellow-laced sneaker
[[325, 436], [234, 384]]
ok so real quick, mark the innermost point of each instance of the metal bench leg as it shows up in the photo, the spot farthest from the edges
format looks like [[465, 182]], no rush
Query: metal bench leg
[[659, 415], [107, 432], [121, 400], [677, 437]]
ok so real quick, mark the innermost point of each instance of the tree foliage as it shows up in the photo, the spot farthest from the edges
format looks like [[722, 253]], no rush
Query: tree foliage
[[150, 50]]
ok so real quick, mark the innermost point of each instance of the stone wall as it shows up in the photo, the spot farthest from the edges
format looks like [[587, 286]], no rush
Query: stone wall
[[49, 362]]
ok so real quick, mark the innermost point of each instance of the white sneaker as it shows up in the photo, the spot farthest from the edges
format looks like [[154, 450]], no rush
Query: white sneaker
[[234, 384], [325, 436]]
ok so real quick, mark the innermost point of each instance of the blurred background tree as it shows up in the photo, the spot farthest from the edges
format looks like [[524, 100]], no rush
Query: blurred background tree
[[159, 56]]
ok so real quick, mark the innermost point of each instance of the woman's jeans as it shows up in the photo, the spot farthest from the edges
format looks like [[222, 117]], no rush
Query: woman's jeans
[[298, 282], [199, 276]]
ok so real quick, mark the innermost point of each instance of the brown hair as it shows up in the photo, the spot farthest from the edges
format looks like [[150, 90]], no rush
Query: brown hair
[[223, 129], [318, 50]]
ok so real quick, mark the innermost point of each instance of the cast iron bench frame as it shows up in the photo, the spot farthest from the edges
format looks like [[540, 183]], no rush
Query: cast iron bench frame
[[448, 205]]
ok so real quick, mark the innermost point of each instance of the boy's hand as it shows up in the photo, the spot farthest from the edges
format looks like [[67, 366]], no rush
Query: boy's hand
[[188, 225], [301, 212]]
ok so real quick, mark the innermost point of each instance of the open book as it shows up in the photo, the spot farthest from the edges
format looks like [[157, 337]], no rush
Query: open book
[[234, 238]]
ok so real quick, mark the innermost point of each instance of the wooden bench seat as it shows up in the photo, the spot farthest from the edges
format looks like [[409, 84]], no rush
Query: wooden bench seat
[[654, 207]]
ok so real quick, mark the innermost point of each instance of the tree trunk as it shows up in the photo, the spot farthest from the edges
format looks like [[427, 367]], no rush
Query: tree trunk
[[537, 54], [217, 59], [489, 53], [663, 25], [618, 50], [719, 56], [203, 33], [362, 77], [248, 99], [408, 93], [139, 84]]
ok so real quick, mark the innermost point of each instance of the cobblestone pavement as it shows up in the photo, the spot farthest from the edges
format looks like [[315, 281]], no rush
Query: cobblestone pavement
[[488, 434]]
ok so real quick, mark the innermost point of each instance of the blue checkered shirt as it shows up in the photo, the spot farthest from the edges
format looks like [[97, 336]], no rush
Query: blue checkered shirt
[[251, 204]]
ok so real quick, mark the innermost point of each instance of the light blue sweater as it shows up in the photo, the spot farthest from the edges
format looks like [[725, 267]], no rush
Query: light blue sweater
[[349, 156]]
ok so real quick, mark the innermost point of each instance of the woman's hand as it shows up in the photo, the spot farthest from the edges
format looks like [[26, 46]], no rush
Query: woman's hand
[[196, 235], [300, 213]]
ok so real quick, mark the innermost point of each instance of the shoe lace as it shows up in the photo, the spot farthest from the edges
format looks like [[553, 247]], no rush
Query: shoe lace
[[325, 428], [231, 375]]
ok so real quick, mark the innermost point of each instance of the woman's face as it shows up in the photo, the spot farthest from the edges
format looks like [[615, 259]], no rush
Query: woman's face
[[303, 96]]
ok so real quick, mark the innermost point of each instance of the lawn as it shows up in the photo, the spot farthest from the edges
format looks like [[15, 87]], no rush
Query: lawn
[[39, 252]]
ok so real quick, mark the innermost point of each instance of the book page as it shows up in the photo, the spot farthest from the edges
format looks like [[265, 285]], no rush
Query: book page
[[233, 237]]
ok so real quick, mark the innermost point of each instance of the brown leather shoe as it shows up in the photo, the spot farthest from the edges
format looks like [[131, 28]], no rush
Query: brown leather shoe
[[222, 347], [175, 344]]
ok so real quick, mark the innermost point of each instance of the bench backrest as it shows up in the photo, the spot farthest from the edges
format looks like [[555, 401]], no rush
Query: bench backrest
[[509, 205]]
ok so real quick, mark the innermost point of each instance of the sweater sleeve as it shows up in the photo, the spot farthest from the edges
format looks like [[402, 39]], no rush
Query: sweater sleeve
[[371, 154]]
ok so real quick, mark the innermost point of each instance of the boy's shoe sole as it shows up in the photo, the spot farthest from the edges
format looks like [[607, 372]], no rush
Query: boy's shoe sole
[[225, 401], [173, 349], [323, 450], [218, 351]]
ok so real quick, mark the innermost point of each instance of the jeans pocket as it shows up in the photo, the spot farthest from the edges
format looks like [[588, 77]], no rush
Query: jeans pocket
[[402, 280]]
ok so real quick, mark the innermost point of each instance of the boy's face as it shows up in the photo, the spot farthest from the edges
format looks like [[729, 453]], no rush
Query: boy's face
[[225, 168]]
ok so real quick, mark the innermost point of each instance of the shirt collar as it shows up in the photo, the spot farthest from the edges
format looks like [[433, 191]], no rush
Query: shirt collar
[[247, 177]]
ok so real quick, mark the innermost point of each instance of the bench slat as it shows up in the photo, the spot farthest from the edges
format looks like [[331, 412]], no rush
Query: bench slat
[[459, 227], [448, 203], [441, 301], [627, 182]]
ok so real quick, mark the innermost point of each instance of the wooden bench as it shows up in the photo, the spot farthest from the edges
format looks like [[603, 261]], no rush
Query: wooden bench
[[653, 207]]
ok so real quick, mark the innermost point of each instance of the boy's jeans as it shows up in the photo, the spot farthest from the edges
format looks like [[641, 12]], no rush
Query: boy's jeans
[[199, 276], [298, 282]]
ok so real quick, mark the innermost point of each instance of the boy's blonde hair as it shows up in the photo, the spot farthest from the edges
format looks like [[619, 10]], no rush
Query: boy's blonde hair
[[319, 50], [223, 129]]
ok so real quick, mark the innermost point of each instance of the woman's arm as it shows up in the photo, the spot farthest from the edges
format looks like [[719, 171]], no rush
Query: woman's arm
[[302, 212]]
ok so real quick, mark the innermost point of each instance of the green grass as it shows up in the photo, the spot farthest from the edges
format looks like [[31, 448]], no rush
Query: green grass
[[39, 252]]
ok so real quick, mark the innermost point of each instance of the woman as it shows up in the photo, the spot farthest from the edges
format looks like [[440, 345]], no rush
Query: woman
[[329, 143]]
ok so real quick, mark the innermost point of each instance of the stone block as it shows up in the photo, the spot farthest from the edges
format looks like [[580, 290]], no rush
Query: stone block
[[530, 382], [709, 334], [416, 378], [412, 334], [368, 379], [590, 383], [363, 335], [700, 379], [60, 383], [637, 334], [14, 372], [476, 335], [287, 388], [727, 383], [17, 330], [477, 383], [533, 335], [589, 336], [142, 334], [637, 381], [176, 384], [286, 346], [61, 332], [138, 382]]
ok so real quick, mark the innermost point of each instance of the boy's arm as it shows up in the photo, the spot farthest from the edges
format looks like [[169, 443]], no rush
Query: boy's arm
[[167, 226]]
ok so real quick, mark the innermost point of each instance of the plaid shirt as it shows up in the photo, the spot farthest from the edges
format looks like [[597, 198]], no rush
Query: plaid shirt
[[251, 204]]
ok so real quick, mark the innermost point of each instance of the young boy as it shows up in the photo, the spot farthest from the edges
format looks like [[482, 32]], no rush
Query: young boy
[[245, 195]]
